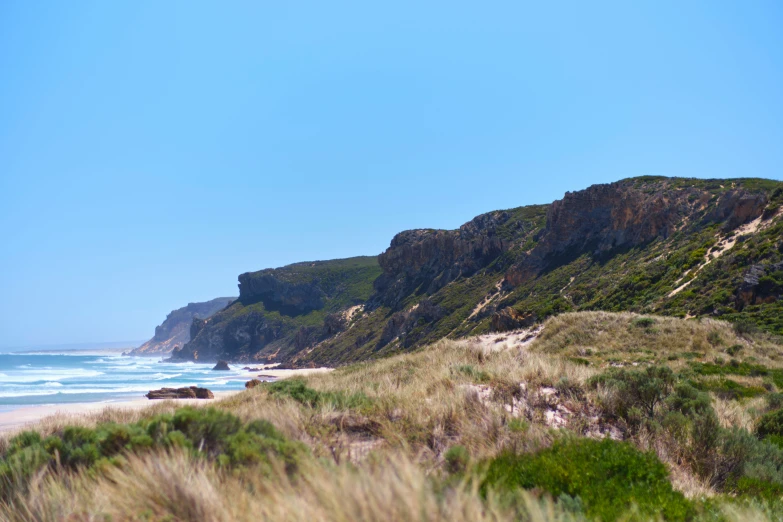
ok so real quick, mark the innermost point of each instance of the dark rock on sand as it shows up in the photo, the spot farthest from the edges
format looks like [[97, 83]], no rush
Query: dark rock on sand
[[252, 384], [191, 392]]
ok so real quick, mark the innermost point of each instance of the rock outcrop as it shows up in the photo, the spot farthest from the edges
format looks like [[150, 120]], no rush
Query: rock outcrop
[[221, 366], [625, 214], [280, 294], [402, 324], [191, 392], [176, 330], [761, 284], [430, 259], [509, 319]]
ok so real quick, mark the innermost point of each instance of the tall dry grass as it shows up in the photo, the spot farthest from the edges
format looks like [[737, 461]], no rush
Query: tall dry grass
[[385, 460], [174, 486], [603, 337]]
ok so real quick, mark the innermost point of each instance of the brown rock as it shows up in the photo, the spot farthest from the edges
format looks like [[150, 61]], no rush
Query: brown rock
[[622, 215], [252, 384], [191, 392], [510, 319]]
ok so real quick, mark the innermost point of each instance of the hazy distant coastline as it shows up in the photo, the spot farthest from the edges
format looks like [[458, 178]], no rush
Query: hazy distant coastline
[[87, 348]]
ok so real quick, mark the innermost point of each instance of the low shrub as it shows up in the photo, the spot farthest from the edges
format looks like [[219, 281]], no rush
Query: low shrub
[[643, 322], [457, 459], [728, 389], [608, 477], [734, 349], [745, 328], [636, 392], [714, 338], [737, 454], [755, 489], [774, 401], [477, 376], [208, 432], [297, 390], [770, 424], [688, 401]]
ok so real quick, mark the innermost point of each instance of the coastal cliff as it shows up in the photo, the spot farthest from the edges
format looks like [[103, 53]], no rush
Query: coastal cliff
[[282, 311], [673, 246], [174, 332]]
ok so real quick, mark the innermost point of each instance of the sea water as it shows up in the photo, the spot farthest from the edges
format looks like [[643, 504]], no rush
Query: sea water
[[45, 378]]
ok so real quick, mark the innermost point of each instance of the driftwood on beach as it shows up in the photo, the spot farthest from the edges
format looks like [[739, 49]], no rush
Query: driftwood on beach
[[191, 392]]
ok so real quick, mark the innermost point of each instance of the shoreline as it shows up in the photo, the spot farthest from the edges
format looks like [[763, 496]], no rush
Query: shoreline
[[25, 416]]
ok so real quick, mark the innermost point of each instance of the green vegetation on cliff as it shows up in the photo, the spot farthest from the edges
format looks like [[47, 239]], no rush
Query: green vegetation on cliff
[[281, 311], [673, 246], [653, 245]]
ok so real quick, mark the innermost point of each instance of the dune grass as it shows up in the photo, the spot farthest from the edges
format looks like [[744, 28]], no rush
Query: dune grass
[[412, 437]]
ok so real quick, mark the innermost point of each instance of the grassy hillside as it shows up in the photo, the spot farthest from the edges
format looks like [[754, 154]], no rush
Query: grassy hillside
[[697, 270], [601, 417]]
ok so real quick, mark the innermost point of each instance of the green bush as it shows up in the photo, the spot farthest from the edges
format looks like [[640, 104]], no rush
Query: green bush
[[755, 489], [457, 459], [688, 400], [774, 401], [744, 327], [470, 371], [636, 392], [738, 455], [770, 424], [643, 322], [714, 338], [607, 476], [297, 390], [728, 389], [208, 432], [734, 349]]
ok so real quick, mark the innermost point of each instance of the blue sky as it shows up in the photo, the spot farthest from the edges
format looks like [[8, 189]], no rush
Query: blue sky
[[152, 151]]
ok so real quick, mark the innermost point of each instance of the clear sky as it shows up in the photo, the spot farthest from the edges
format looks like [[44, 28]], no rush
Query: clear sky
[[151, 151]]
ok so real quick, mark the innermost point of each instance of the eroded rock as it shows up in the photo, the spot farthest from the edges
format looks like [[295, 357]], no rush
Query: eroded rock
[[191, 392], [221, 366]]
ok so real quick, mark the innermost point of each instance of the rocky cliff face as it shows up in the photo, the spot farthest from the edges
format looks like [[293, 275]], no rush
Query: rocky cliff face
[[424, 261], [653, 245], [283, 311], [628, 213], [175, 331], [279, 294], [761, 284]]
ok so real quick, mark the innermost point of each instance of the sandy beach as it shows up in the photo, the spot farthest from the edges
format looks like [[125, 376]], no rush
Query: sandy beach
[[24, 416]]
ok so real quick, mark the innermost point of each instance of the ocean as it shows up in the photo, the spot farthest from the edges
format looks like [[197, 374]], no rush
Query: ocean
[[48, 378]]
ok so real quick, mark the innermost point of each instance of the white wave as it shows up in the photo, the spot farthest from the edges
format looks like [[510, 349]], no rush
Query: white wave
[[73, 391], [162, 376], [51, 375], [29, 393]]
